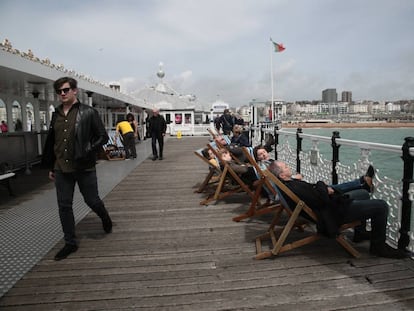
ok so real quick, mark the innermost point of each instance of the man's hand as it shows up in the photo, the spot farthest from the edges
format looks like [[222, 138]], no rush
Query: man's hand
[[52, 175], [330, 191]]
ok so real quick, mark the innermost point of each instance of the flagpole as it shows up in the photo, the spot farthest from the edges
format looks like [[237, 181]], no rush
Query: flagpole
[[271, 78]]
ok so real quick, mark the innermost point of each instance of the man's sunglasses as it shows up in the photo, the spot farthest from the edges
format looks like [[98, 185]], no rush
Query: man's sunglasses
[[64, 91]]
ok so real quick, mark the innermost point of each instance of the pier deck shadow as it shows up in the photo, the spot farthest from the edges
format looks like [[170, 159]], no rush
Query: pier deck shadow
[[167, 252]]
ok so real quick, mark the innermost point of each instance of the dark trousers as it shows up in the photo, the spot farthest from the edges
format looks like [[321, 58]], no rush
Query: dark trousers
[[154, 138], [129, 145], [377, 211], [65, 186]]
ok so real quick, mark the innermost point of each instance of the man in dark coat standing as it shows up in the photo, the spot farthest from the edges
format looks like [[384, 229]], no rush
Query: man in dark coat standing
[[227, 122], [157, 128]]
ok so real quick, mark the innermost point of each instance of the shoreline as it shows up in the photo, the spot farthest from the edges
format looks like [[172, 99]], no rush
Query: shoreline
[[350, 125]]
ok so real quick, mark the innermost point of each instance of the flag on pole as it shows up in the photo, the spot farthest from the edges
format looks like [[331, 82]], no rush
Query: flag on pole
[[278, 46]]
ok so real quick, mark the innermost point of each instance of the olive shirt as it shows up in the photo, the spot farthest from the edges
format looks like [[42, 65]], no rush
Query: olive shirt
[[65, 139]]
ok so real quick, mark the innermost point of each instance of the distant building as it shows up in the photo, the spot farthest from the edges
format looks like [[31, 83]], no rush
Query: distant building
[[329, 96], [346, 97], [329, 101]]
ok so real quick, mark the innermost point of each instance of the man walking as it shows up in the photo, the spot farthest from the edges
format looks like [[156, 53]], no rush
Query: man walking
[[75, 134], [157, 128]]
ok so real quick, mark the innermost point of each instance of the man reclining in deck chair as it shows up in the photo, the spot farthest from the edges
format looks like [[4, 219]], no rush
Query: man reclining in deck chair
[[336, 209], [244, 170], [365, 182]]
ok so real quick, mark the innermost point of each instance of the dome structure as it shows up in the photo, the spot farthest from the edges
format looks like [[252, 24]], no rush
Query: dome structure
[[163, 96]]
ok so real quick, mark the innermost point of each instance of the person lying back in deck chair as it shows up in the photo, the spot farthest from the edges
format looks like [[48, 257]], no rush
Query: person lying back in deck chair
[[365, 182], [237, 150], [209, 155], [336, 209], [244, 170]]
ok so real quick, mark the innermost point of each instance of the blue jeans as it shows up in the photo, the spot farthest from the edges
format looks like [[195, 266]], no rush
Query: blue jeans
[[65, 186], [347, 186]]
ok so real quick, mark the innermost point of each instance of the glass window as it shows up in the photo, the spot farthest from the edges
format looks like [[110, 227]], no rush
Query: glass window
[[178, 118], [30, 117], [187, 118], [168, 118]]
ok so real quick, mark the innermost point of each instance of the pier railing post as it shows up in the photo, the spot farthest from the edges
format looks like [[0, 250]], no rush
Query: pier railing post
[[261, 132], [298, 148], [408, 160], [335, 156], [276, 136]]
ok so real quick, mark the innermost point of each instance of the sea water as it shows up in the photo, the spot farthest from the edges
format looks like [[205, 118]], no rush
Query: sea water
[[388, 164]]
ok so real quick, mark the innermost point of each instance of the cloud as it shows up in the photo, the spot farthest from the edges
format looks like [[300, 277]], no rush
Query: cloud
[[216, 47]]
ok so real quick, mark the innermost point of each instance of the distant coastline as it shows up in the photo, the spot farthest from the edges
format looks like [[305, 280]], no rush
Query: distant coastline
[[350, 125]]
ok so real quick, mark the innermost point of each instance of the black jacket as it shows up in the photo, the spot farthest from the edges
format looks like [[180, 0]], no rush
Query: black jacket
[[90, 135], [330, 209], [157, 125]]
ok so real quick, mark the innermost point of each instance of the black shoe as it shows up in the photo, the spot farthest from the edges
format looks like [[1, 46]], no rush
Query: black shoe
[[387, 251], [360, 236], [107, 224], [154, 158], [66, 251], [160, 158], [370, 171]]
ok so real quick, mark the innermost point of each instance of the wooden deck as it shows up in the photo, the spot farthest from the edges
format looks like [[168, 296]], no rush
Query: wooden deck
[[167, 252]]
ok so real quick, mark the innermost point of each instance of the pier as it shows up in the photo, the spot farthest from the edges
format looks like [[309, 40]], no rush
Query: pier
[[168, 252]]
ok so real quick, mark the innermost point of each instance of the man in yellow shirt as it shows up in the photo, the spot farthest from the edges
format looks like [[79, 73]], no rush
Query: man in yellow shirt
[[128, 138]]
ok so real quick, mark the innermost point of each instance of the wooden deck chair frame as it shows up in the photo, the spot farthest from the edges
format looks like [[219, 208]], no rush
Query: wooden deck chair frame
[[221, 191], [212, 171], [278, 240], [276, 206], [256, 208]]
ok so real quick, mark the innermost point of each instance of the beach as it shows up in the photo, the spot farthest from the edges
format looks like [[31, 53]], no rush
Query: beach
[[351, 125]]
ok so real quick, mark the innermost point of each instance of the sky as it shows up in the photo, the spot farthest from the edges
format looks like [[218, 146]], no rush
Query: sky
[[221, 49]]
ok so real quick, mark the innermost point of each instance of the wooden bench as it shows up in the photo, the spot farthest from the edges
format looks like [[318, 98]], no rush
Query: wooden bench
[[5, 175]]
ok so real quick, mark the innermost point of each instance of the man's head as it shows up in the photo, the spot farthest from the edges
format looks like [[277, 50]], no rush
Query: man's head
[[156, 111], [220, 140], [261, 154], [281, 170], [67, 89], [130, 117], [225, 155], [237, 129]]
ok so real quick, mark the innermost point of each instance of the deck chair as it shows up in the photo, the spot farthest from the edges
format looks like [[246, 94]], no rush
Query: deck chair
[[256, 208], [113, 149], [214, 134], [279, 240], [229, 182], [213, 175]]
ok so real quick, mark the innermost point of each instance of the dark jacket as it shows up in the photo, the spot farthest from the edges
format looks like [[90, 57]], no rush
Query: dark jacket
[[157, 125], [240, 140], [227, 122], [330, 209], [90, 135]]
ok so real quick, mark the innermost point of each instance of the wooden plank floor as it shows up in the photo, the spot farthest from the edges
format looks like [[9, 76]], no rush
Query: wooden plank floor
[[167, 252]]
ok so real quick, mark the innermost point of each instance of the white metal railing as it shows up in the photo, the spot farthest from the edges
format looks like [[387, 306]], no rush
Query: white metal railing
[[189, 129], [315, 166]]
